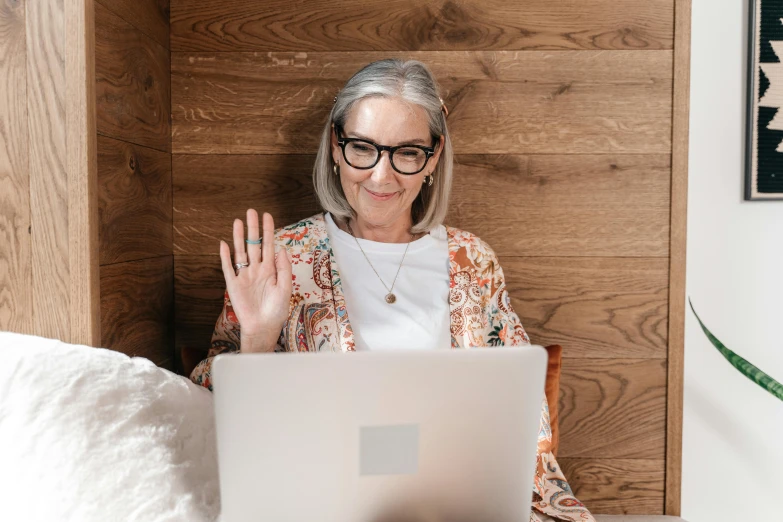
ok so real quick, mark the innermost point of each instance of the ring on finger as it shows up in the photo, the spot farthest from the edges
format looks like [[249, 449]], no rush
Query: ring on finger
[[237, 266], [253, 242]]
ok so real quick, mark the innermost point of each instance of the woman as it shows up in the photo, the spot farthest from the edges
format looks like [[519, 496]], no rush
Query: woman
[[383, 175]]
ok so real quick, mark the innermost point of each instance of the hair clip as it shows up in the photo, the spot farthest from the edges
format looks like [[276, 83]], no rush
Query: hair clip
[[444, 108]]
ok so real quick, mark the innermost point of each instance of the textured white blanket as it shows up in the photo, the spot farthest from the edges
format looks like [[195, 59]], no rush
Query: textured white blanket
[[88, 434]]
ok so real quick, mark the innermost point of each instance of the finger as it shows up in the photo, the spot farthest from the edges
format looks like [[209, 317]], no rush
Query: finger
[[269, 238], [239, 242], [283, 267], [253, 251], [225, 262]]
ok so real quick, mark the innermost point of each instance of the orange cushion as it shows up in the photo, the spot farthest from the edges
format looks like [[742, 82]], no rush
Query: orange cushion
[[552, 390]]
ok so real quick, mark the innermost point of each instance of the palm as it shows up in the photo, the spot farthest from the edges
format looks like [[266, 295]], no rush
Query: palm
[[259, 293]]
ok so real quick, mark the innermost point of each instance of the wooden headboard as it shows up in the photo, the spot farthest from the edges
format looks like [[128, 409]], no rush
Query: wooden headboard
[[569, 121]]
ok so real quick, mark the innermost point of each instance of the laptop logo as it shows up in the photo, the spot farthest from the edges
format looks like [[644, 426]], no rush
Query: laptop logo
[[389, 450]]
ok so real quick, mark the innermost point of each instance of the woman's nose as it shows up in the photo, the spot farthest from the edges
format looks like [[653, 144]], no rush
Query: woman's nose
[[383, 171]]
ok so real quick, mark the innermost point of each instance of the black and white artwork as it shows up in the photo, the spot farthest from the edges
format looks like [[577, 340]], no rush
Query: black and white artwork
[[764, 153]]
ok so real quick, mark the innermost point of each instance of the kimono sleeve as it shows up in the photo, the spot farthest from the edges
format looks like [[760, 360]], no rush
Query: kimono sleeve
[[505, 327], [552, 495], [226, 338]]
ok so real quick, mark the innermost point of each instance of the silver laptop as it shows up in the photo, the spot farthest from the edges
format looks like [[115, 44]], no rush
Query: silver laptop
[[432, 436]]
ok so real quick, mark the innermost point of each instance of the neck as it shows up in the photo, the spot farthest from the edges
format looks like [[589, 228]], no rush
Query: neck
[[396, 232]]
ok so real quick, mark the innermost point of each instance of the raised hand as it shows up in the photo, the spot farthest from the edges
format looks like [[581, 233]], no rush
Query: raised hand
[[260, 292]]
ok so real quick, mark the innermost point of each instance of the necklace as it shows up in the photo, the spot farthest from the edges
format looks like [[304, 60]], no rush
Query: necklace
[[390, 297]]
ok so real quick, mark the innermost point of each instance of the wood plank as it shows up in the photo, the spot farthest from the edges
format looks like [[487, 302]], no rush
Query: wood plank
[[198, 300], [617, 486], [133, 95], [151, 17], [16, 298], [135, 201], [593, 307], [500, 102], [210, 191], [612, 408], [567, 206], [137, 308], [46, 109], [679, 227], [442, 25], [564, 205], [81, 157]]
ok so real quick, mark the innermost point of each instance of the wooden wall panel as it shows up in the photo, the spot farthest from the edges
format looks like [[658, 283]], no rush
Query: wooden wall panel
[[617, 486], [132, 83], [16, 298], [613, 408], [210, 191], [499, 102], [198, 300], [443, 25], [48, 220], [133, 101], [151, 17], [567, 205], [134, 201], [137, 308], [48, 169], [593, 307], [679, 229]]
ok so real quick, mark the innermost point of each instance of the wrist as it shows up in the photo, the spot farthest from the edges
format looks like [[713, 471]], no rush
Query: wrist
[[257, 343]]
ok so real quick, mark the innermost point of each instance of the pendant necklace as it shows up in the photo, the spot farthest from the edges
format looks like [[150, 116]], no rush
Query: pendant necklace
[[390, 297]]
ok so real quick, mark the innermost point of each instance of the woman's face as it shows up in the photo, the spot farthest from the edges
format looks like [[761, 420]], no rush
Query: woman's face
[[381, 196]]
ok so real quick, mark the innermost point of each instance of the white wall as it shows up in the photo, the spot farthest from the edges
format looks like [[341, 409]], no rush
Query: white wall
[[732, 429]]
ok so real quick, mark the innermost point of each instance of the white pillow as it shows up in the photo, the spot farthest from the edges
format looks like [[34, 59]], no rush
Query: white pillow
[[88, 434]]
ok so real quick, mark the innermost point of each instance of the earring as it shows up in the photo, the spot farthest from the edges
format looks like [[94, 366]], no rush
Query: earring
[[335, 170], [428, 180]]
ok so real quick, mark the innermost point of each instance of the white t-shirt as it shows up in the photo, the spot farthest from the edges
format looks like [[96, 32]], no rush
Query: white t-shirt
[[419, 319]]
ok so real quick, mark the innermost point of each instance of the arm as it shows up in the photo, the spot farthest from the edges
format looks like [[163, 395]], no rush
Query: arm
[[226, 338]]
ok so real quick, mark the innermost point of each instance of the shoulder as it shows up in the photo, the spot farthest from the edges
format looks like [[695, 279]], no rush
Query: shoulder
[[305, 235], [468, 250]]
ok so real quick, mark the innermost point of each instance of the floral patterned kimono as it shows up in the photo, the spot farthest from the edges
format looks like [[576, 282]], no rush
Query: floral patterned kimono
[[481, 315]]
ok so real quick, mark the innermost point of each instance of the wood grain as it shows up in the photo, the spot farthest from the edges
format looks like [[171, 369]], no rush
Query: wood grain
[[198, 300], [679, 227], [564, 205], [442, 25], [151, 17], [617, 486], [612, 408], [46, 109], [499, 102], [210, 191], [593, 307], [16, 298], [134, 200], [137, 308], [81, 161], [133, 95]]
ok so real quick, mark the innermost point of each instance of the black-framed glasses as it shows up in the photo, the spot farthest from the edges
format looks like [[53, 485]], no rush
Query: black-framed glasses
[[363, 154]]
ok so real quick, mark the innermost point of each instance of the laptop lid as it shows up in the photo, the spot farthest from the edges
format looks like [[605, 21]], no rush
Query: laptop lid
[[442, 435]]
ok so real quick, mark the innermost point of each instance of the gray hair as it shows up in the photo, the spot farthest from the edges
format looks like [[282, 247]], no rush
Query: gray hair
[[413, 82]]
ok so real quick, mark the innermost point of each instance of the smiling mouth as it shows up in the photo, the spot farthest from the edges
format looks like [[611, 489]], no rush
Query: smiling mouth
[[378, 195]]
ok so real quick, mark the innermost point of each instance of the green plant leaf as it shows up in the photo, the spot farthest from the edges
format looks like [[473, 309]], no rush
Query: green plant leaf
[[745, 367]]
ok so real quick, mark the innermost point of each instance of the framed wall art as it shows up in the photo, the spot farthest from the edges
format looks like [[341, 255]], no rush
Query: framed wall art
[[764, 134]]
